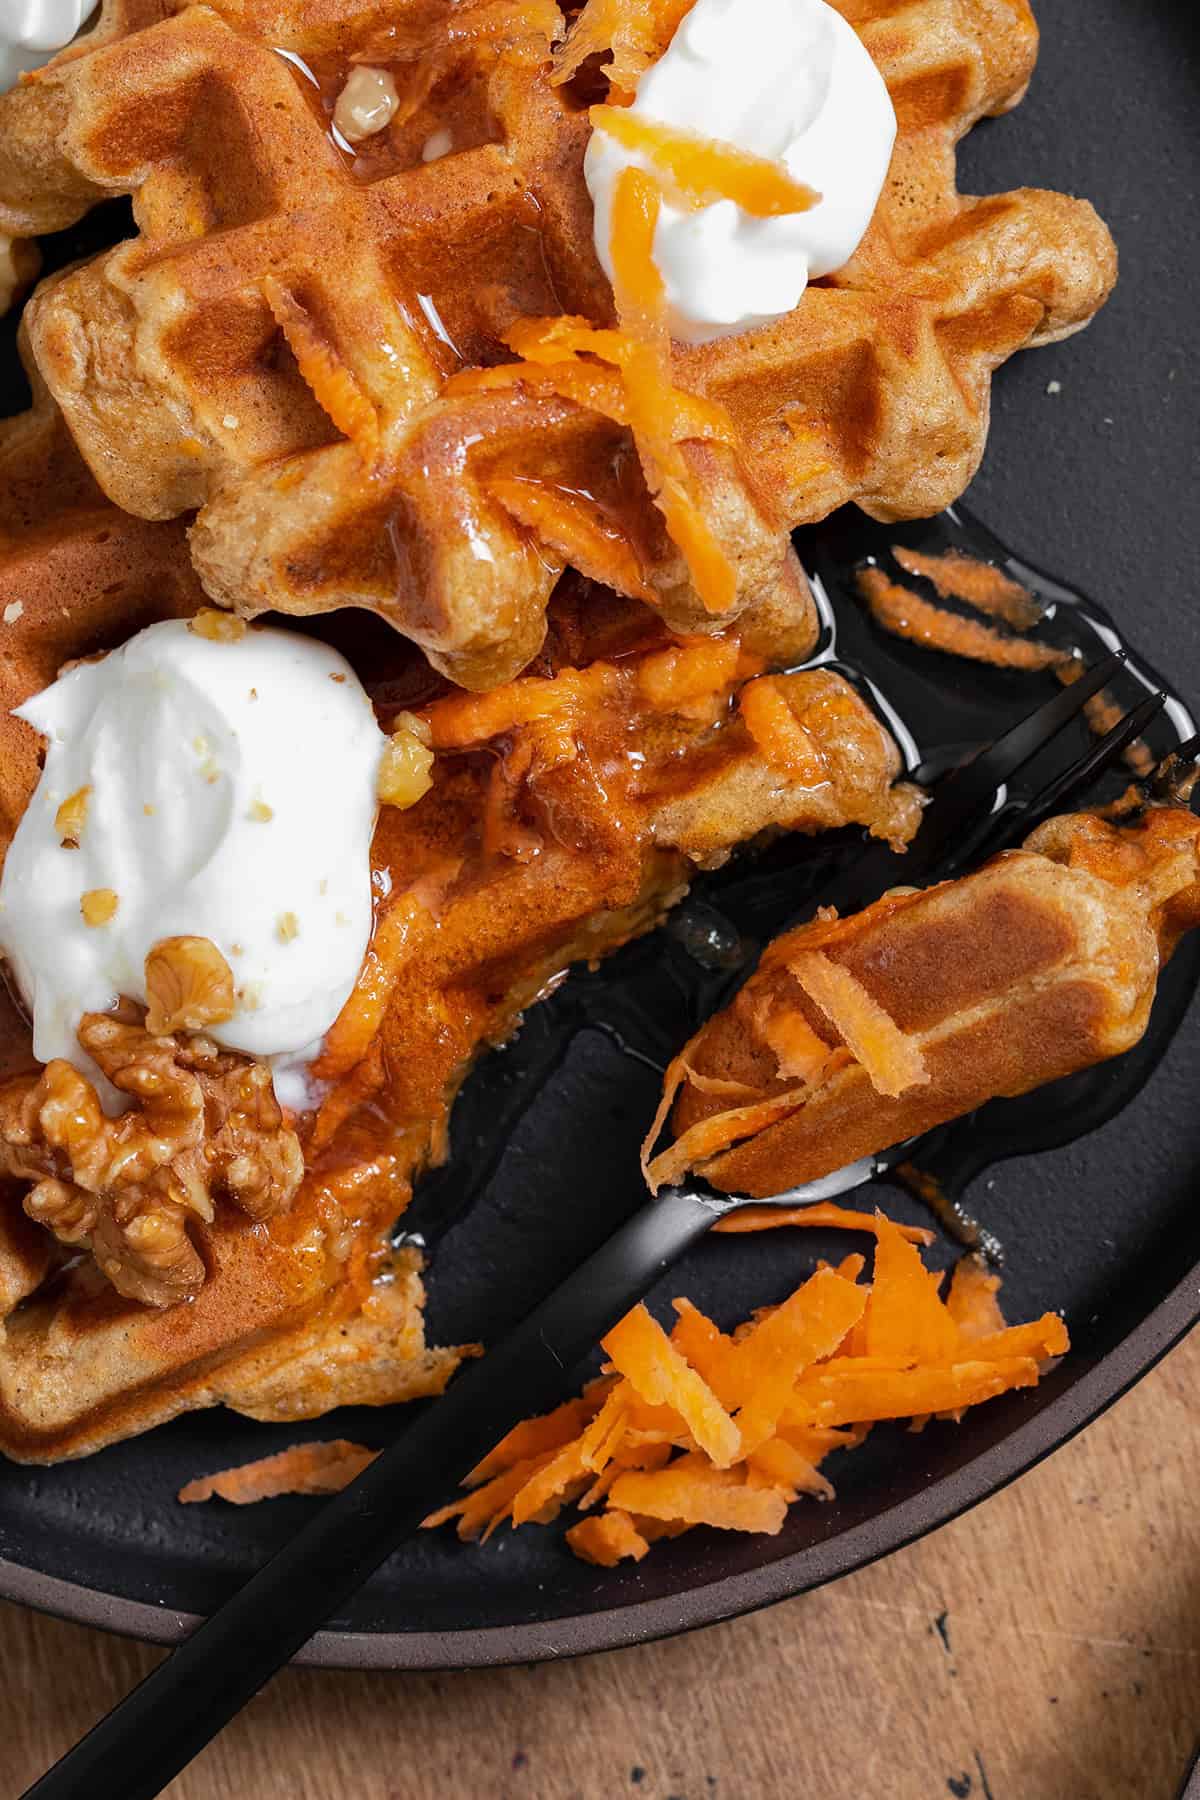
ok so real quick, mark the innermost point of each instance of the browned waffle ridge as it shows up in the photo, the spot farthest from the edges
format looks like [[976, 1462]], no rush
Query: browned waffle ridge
[[169, 361]]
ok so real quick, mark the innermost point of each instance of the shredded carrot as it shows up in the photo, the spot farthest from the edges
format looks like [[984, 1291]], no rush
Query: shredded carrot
[[787, 1469], [634, 33], [805, 1329], [701, 1142], [892, 1060], [301, 1469], [642, 1351], [534, 1437], [909, 615], [464, 721], [605, 1539], [1044, 1339], [542, 1495], [696, 1493], [641, 307], [352, 1033], [820, 1213], [840, 1394], [972, 1299], [800, 1053], [334, 386], [727, 1430], [574, 527], [703, 170], [673, 678], [907, 1323], [981, 584], [778, 733]]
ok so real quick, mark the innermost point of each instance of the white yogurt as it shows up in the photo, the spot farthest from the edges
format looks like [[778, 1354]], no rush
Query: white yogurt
[[232, 796], [788, 80]]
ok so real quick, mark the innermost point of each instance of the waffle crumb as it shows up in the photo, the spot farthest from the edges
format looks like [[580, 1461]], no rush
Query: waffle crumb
[[221, 627], [71, 816], [188, 985], [406, 768], [366, 105], [98, 906], [260, 812], [287, 927]]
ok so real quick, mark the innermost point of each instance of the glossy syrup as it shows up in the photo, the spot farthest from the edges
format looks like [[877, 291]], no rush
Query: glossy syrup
[[649, 997]]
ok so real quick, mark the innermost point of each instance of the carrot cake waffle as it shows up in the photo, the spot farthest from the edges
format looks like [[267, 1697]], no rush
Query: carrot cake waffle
[[310, 342]]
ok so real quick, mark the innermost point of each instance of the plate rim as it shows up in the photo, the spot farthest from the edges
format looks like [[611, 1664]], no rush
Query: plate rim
[[616, 1628]]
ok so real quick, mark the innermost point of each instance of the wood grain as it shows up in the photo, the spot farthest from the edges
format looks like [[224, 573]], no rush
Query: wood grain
[[1045, 1647]]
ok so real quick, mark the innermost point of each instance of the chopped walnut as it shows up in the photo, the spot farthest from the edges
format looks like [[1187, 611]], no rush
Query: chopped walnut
[[188, 985], [405, 770], [71, 817], [206, 1126], [366, 105], [98, 906], [221, 627]]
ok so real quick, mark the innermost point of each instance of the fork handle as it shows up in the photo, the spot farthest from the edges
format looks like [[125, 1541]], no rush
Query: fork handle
[[157, 1729]]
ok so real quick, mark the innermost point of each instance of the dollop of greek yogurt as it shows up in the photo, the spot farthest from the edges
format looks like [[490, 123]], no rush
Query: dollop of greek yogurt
[[788, 80], [214, 787], [31, 31]]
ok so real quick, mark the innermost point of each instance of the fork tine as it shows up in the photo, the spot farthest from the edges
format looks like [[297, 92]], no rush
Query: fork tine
[[1073, 780], [961, 799], [1001, 760]]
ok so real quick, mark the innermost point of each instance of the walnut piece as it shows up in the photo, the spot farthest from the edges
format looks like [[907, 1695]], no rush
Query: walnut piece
[[71, 817], [405, 770], [189, 985], [367, 104], [220, 627], [98, 906], [206, 1126]]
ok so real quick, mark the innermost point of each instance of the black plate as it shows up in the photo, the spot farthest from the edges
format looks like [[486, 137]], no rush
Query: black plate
[[1095, 481]]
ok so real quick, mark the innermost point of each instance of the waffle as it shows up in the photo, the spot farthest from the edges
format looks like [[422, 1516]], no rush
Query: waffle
[[273, 348], [567, 813], [1042, 963]]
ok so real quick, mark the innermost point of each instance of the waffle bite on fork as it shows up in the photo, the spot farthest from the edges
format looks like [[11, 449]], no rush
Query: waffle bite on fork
[[311, 340], [856, 1034], [566, 812]]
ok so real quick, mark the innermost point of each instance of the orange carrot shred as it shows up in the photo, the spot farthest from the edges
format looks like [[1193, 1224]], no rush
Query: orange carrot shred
[[605, 1539], [770, 1360], [549, 1431], [334, 386], [701, 1495], [906, 1320], [779, 735], [971, 1301], [822, 1212], [302, 1469], [703, 170], [642, 1351], [892, 1060]]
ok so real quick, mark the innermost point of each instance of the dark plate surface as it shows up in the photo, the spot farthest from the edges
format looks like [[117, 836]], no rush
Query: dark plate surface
[[1095, 481]]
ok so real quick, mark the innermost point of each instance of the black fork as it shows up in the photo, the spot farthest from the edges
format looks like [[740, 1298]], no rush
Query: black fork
[[163, 1724]]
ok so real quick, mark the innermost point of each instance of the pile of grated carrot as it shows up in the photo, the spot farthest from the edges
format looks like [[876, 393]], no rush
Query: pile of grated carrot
[[699, 1427]]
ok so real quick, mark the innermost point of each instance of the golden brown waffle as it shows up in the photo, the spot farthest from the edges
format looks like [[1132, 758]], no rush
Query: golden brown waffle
[[541, 843], [272, 267], [1042, 963]]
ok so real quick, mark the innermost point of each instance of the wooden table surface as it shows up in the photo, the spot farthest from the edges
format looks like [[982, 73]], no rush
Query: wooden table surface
[[1045, 1647]]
